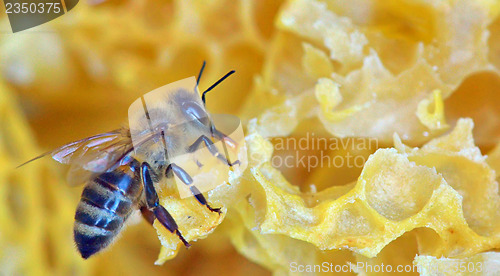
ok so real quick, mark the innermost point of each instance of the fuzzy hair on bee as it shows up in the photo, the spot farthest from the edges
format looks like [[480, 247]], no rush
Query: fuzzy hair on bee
[[178, 116], [120, 168]]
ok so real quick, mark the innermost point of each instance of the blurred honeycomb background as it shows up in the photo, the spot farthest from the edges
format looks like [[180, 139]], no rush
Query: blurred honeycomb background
[[360, 69]]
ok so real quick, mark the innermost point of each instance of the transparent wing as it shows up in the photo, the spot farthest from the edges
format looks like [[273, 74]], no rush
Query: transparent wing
[[93, 155], [78, 176], [98, 153]]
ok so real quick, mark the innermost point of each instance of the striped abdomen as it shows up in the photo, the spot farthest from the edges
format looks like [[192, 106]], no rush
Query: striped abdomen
[[106, 203]]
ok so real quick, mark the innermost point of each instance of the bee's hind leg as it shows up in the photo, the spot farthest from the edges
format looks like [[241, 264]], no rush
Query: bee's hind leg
[[186, 179], [147, 214], [153, 203], [212, 148]]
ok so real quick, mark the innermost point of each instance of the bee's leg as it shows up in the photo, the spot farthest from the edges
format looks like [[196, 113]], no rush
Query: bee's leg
[[147, 214], [212, 148], [221, 136], [202, 200], [153, 204], [186, 179]]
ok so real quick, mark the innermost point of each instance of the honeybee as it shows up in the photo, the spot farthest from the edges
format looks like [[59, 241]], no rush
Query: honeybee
[[117, 183]]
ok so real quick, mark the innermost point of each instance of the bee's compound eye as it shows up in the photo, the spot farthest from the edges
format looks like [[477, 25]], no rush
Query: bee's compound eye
[[195, 112]]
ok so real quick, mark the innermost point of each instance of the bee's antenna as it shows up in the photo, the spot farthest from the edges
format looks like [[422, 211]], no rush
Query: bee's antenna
[[215, 84], [201, 72]]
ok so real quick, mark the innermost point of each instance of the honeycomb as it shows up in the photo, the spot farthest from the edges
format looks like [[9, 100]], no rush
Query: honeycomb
[[419, 78], [458, 266], [36, 205]]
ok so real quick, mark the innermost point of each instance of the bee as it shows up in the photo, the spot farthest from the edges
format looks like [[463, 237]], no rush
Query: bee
[[119, 173]]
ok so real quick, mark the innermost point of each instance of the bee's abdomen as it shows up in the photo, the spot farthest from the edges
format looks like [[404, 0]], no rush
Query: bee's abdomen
[[106, 203]]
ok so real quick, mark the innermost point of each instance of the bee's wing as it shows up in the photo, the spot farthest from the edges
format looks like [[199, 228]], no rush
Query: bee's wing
[[92, 155], [95, 155], [78, 176]]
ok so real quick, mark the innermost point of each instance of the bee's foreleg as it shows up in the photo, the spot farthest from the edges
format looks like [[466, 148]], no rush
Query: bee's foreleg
[[212, 148], [221, 136], [153, 204], [186, 179]]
